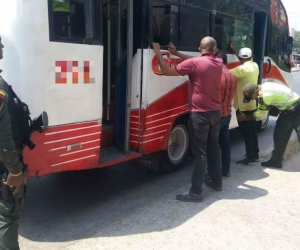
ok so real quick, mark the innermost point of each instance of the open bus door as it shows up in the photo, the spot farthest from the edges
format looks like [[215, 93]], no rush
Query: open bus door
[[260, 33], [122, 32]]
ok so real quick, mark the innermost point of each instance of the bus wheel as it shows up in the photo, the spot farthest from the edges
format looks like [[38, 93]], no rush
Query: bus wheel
[[177, 151], [262, 125]]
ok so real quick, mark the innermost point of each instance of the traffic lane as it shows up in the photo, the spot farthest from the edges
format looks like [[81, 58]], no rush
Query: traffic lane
[[296, 82], [236, 223], [68, 206]]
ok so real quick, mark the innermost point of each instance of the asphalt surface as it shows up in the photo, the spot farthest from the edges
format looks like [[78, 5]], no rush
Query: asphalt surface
[[124, 207]]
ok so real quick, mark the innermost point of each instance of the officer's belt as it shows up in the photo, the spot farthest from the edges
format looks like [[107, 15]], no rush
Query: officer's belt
[[292, 109]]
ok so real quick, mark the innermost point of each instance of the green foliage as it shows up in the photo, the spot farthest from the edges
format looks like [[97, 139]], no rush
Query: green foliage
[[296, 45]]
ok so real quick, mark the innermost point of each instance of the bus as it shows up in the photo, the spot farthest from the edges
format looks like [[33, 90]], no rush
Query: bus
[[89, 64]]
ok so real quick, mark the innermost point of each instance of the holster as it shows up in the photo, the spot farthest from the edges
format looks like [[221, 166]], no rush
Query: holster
[[7, 192], [293, 109]]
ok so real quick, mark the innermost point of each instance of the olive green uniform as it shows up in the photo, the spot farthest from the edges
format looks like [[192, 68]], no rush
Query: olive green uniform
[[9, 162]]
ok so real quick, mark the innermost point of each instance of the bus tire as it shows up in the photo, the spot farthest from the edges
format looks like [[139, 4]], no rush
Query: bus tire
[[177, 152], [262, 125]]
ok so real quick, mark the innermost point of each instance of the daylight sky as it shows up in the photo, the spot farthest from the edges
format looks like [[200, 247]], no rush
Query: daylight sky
[[293, 11]]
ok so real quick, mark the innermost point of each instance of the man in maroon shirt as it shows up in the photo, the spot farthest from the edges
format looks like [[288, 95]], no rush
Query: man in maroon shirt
[[204, 100]]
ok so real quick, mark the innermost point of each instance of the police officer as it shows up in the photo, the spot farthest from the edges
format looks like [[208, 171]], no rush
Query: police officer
[[288, 102], [12, 189]]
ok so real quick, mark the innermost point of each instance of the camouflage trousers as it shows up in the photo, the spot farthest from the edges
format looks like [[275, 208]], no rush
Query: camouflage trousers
[[10, 211]]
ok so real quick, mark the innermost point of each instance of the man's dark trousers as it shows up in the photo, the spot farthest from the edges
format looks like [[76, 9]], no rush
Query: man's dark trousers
[[282, 133], [9, 221], [249, 132], [204, 137], [224, 142]]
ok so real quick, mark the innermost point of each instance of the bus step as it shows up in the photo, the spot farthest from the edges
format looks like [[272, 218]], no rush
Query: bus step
[[107, 135], [111, 155]]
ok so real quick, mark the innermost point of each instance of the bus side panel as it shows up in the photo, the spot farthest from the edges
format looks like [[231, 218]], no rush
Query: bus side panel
[[164, 99], [64, 148], [136, 114], [63, 79], [160, 118], [272, 73]]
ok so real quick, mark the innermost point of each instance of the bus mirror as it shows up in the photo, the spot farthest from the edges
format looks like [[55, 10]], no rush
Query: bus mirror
[[289, 45]]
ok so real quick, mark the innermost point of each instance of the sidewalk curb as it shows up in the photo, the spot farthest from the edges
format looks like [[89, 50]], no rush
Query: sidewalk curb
[[291, 149], [295, 69]]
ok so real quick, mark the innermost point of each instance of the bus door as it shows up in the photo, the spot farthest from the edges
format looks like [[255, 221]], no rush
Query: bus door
[[260, 31], [121, 42]]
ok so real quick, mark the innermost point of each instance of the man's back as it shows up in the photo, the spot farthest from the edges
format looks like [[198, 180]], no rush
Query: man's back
[[204, 73], [246, 73], [278, 95], [228, 89]]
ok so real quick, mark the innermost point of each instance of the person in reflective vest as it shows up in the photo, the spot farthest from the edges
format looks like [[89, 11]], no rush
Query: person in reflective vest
[[61, 18], [61, 6], [272, 94]]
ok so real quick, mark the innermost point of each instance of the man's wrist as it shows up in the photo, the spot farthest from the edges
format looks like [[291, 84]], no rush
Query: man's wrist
[[15, 175]]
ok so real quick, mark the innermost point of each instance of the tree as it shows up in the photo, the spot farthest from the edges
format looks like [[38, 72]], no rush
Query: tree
[[296, 45]]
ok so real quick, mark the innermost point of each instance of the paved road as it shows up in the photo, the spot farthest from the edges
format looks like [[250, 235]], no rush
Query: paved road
[[296, 80], [122, 207]]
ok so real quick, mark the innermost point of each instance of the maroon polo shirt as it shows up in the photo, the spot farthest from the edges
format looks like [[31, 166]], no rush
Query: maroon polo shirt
[[205, 81]]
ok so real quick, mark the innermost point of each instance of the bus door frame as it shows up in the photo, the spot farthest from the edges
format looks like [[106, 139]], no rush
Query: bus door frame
[[263, 49]]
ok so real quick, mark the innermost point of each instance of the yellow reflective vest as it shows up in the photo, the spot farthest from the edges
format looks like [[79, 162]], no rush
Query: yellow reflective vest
[[61, 6]]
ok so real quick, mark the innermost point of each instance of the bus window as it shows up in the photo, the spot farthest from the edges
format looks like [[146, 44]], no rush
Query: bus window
[[262, 4], [165, 23], [206, 4], [278, 33], [243, 32], [223, 32], [240, 8], [169, 20], [74, 21], [229, 29], [194, 25]]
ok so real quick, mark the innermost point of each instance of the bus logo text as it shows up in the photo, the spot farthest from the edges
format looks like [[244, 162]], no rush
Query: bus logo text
[[169, 61], [73, 72]]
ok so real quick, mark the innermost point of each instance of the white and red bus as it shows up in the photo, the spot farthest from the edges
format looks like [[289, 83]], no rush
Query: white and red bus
[[90, 65]]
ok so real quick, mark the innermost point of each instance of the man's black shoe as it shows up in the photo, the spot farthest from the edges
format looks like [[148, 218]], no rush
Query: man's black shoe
[[257, 158], [207, 178], [246, 162], [189, 197], [271, 164], [213, 186], [226, 174]]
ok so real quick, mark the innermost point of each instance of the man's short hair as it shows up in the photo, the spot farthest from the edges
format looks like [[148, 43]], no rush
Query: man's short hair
[[248, 91], [223, 56]]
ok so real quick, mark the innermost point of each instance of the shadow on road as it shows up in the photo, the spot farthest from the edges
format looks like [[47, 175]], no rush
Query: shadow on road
[[120, 200]]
